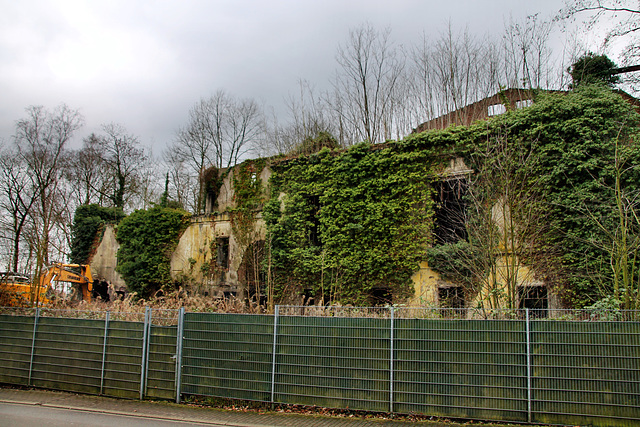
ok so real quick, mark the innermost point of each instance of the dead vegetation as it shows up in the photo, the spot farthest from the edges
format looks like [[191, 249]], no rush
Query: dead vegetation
[[162, 301]]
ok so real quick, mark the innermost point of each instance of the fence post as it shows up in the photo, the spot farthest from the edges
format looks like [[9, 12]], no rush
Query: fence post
[[104, 349], [180, 334], [273, 360], [391, 357], [528, 366], [145, 348], [33, 343]]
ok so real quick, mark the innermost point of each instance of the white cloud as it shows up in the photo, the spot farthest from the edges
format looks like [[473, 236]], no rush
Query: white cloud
[[144, 63]]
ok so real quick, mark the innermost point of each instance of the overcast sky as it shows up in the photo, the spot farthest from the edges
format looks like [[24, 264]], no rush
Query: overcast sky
[[144, 63]]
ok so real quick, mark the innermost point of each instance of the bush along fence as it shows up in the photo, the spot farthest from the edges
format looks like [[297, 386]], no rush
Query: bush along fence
[[569, 368]]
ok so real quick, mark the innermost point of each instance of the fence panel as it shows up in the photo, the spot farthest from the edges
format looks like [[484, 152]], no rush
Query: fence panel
[[333, 362], [161, 376], [16, 338], [123, 363], [555, 371], [586, 372], [68, 354], [461, 368], [227, 355]]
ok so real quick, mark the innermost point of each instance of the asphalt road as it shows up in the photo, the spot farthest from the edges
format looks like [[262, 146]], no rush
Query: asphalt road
[[21, 415]]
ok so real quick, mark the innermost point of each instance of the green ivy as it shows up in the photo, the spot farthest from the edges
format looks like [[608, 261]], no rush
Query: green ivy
[[345, 225], [573, 138], [249, 196], [147, 239], [87, 229]]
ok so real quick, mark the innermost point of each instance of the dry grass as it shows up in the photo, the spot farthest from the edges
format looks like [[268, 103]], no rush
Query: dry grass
[[162, 301]]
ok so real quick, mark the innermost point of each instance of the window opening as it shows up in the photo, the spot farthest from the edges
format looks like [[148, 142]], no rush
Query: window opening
[[534, 298], [450, 212], [496, 109], [381, 296], [451, 299], [222, 256], [524, 103], [313, 221]]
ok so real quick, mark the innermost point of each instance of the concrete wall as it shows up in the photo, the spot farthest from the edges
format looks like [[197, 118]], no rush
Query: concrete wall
[[194, 261], [103, 261]]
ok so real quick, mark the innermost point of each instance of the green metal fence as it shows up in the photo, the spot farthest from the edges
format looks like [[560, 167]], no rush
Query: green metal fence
[[112, 354], [581, 368], [227, 355]]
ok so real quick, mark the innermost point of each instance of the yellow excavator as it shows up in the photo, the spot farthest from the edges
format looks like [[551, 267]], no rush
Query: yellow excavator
[[17, 289]]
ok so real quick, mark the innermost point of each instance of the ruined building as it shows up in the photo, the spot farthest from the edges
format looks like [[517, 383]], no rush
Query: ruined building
[[220, 255]]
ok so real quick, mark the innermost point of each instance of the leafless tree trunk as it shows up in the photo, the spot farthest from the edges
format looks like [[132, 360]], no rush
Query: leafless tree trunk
[[41, 138], [528, 59], [221, 130], [365, 85], [18, 198], [87, 173], [123, 160], [184, 185]]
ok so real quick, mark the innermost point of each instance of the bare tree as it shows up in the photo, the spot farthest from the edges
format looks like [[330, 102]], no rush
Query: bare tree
[[527, 55], [623, 19], [221, 130], [620, 238], [504, 221], [365, 85], [451, 72], [123, 160], [183, 183], [41, 138], [309, 116], [86, 173], [18, 198]]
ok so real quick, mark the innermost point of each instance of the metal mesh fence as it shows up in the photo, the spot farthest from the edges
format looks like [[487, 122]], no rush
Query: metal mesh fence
[[127, 355], [228, 355], [553, 366], [333, 361]]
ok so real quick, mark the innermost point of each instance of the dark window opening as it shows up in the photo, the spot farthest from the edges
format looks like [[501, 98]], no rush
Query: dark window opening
[[451, 299], [228, 295], [313, 221], [534, 298], [450, 212], [381, 296], [222, 256]]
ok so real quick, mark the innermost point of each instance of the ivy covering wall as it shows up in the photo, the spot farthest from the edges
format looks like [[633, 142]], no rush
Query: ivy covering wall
[[352, 226], [147, 239], [87, 229], [568, 146]]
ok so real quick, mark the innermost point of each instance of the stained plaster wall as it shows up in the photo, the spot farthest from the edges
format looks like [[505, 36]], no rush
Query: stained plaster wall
[[103, 261], [427, 282], [194, 260]]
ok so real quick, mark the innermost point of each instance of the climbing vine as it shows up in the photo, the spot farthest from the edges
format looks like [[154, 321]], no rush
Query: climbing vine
[[249, 196], [88, 227], [147, 239], [351, 226], [566, 146]]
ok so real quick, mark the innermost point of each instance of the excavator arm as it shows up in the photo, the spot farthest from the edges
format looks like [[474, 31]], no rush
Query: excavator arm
[[59, 272]]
